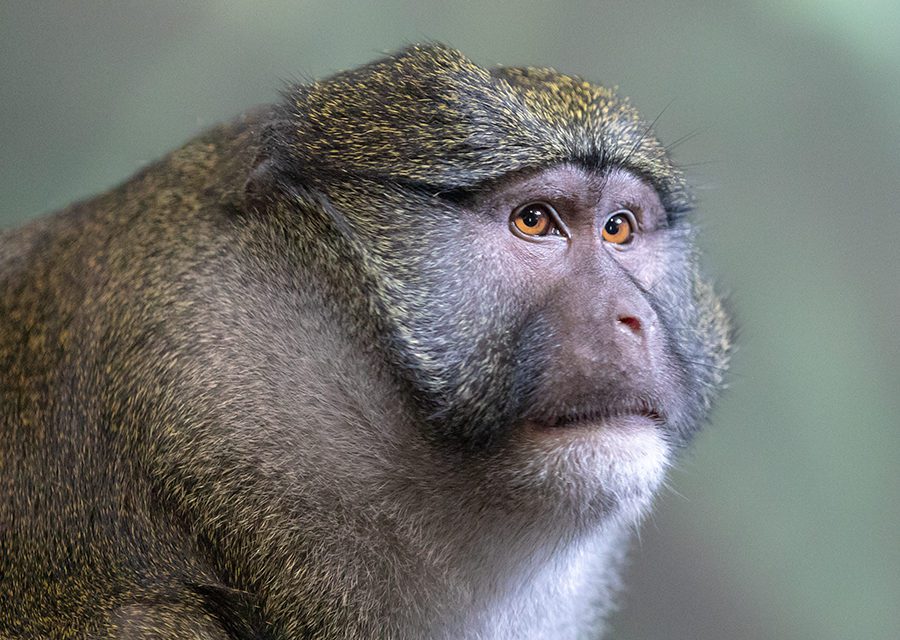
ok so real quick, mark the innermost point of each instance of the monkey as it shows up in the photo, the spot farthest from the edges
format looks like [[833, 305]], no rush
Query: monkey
[[406, 354]]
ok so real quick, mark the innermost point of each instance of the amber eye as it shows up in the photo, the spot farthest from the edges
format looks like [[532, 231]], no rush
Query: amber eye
[[619, 227], [535, 219]]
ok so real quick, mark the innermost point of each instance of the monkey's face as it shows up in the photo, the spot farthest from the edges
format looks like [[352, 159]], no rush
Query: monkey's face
[[525, 248], [550, 325]]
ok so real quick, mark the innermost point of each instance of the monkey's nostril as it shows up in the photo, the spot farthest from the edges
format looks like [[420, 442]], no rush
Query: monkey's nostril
[[632, 323]]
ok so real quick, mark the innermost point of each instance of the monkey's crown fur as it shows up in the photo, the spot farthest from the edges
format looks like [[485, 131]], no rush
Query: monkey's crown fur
[[429, 115]]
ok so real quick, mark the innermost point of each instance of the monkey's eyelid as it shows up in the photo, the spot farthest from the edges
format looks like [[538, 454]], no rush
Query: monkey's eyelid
[[637, 213], [629, 213]]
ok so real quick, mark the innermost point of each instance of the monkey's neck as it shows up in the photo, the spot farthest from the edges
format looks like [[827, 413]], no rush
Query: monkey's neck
[[413, 575], [528, 582]]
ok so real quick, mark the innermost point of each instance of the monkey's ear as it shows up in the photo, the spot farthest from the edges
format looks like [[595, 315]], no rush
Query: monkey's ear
[[278, 177], [273, 176], [264, 185]]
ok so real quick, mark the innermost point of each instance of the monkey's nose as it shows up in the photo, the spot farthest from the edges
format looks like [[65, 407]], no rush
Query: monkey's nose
[[636, 338], [631, 323], [633, 341]]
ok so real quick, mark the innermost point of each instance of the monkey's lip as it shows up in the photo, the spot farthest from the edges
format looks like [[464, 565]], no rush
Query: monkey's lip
[[600, 419]]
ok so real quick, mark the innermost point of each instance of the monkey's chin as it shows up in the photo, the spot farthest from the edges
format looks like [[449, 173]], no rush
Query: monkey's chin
[[603, 467]]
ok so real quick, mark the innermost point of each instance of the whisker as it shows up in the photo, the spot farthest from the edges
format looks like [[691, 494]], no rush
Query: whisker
[[646, 131], [685, 138]]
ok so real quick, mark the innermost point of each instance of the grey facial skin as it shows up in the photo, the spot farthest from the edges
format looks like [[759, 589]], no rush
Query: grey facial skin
[[404, 356]]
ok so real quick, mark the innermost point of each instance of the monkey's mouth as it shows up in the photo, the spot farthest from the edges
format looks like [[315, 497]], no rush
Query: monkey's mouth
[[598, 417]]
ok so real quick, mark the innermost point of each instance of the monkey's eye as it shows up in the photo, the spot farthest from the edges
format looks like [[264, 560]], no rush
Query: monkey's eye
[[619, 227], [534, 219]]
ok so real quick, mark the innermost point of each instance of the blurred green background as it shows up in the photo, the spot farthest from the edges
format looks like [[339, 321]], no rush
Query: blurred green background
[[784, 521]]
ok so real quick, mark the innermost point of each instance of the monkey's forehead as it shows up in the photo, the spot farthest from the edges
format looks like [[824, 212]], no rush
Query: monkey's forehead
[[429, 115]]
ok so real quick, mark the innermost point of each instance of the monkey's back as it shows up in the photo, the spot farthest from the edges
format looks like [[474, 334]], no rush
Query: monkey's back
[[89, 300]]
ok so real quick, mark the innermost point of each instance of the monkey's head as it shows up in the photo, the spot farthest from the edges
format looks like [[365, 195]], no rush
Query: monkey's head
[[526, 258]]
